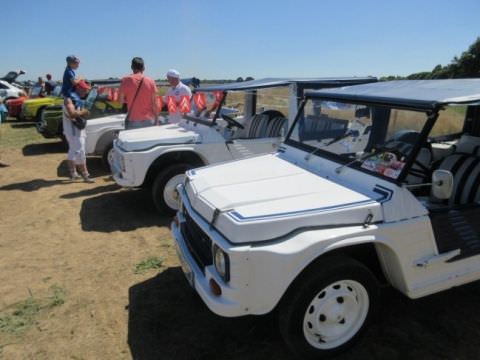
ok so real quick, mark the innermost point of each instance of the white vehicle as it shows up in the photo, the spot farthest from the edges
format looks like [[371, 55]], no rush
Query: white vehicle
[[313, 229], [9, 91], [101, 133], [159, 156]]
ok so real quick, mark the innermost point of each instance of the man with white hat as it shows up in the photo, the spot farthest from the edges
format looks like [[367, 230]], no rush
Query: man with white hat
[[176, 92]]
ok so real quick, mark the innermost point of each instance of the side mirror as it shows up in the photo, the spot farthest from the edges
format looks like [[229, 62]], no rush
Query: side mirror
[[442, 184]]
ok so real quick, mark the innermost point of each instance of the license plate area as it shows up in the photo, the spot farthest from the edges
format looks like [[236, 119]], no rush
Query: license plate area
[[187, 270]]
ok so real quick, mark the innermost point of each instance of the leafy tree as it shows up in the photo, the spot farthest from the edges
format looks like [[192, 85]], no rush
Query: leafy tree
[[465, 66]]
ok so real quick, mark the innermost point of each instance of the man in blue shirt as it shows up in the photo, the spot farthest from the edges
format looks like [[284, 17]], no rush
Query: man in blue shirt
[[69, 77]]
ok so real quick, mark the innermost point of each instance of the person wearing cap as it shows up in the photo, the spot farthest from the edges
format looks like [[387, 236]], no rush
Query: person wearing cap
[[69, 77], [49, 84], [177, 90], [76, 156], [139, 92]]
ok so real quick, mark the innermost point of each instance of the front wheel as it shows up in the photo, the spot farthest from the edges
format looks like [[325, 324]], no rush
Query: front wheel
[[107, 156], [164, 189], [326, 310]]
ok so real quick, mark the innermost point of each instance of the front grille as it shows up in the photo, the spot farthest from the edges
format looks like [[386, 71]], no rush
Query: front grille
[[198, 243]]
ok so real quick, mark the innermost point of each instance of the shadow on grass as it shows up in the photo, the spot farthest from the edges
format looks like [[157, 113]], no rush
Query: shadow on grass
[[168, 321], [34, 185], [23, 125], [120, 211], [44, 148]]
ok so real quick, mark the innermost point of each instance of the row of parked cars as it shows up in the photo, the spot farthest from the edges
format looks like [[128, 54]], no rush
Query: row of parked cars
[[309, 211], [306, 196]]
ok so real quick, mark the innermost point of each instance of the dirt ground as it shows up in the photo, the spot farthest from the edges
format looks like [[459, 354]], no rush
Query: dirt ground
[[87, 239]]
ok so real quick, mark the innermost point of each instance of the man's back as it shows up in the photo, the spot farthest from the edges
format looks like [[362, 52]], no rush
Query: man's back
[[140, 107]]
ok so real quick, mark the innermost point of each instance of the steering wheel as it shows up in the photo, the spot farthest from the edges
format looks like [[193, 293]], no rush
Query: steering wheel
[[232, 122]]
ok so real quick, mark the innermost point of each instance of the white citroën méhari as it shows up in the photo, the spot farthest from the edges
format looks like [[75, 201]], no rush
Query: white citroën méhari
[[375, 183], [238, 127]]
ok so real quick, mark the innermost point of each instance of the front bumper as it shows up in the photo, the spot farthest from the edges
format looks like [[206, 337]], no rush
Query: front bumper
[[118, 167], [227, 304]]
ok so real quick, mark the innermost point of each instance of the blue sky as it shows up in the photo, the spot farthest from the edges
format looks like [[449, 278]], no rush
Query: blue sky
[[219, 39]]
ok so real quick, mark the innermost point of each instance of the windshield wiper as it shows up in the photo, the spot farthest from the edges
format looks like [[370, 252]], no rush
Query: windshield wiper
[[348, 133]]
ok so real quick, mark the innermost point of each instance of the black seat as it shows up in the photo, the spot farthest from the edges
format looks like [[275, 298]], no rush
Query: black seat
[[465, 169]]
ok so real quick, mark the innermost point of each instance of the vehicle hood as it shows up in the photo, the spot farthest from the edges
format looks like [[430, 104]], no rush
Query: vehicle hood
[[39, 101], [266, 197], [116, 121], [146, 138], [15, 102]]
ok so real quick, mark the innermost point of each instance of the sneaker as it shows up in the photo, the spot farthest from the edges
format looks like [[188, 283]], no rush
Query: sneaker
[[87, 179], [74, 176]]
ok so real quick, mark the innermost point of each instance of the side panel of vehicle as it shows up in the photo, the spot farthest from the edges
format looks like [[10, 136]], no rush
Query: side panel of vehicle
[[97, 142], [144, 165], [392, 253]]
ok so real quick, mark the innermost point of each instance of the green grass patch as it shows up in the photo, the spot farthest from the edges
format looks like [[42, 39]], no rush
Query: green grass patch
[[152, 262], [24, 314], [16, 134]]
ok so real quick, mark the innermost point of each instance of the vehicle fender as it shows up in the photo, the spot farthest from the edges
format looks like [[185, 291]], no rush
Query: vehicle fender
[[305, 250], [104, 141], [171, 156]]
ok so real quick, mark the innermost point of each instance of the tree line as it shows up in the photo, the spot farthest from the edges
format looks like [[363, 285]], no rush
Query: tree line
[[465, 66]]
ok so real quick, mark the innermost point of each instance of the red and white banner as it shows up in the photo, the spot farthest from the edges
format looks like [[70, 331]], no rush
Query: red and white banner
[[171, 104], [200, 100], [185, 104]]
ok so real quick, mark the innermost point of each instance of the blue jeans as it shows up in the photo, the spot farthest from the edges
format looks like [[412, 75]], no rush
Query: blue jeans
[[137, 124]]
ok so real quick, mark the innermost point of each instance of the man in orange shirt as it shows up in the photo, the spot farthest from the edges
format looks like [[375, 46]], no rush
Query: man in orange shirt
[[139, 92]]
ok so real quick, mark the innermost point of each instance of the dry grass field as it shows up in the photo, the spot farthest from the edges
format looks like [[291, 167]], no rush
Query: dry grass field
[[89, 271]]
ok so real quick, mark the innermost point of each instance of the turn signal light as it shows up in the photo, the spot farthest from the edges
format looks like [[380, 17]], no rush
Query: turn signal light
[[215, 288]]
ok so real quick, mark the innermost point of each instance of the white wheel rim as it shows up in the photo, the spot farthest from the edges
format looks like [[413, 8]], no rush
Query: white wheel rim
[[170, 194], [335, 314]]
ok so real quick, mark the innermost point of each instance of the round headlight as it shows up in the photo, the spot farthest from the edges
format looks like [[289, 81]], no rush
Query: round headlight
[[221, 263]]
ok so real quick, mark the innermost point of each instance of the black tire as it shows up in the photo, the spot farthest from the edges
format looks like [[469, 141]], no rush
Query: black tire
[[318, 301], [38, 116], [164, 205], [105, 156]]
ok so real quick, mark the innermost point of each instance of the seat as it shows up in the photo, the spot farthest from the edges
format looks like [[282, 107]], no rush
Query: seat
[[276, 127], [465, 169], [257, 126], [468, 144]]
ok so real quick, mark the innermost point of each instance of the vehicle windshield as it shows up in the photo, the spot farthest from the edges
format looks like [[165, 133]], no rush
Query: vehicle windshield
[[373, 139], [205, 104]]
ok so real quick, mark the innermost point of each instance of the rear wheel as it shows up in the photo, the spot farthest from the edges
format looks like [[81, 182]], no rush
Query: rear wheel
[[164, 189], [326, 310]]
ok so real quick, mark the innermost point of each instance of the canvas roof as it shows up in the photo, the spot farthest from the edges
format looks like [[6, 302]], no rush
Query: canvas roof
[[422, 94], [274, 82]]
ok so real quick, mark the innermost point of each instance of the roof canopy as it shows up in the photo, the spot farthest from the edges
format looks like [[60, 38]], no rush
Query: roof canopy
[[421, 94], [274, 82]]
